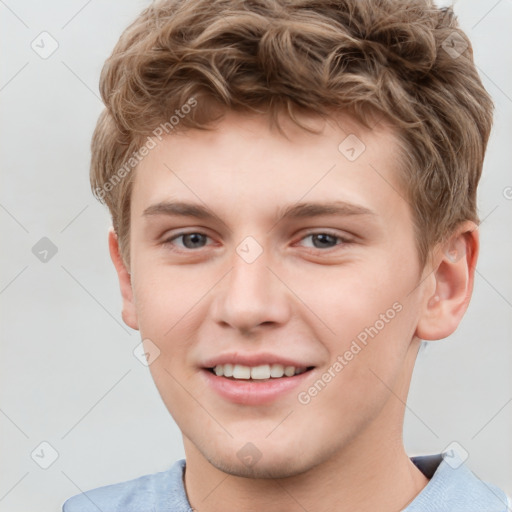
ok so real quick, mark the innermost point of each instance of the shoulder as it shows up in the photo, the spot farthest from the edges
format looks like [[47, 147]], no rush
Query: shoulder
[[453, 487], [162, 492]]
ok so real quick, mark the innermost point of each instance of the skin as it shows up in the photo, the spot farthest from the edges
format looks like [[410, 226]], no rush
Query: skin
[[303, 297]]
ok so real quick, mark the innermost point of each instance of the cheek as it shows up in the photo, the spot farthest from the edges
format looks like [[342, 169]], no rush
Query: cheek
[[349, 299], [171, 305], [359, 384], [164, 298], [370, 319]]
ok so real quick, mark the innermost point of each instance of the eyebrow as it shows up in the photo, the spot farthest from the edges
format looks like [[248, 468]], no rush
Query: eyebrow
[[302, 210], [295, 211]]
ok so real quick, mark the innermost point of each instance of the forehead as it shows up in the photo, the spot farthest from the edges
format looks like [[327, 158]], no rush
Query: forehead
[[245, 162]]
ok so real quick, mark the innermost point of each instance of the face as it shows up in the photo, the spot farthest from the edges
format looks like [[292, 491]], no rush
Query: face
[[252, 249]]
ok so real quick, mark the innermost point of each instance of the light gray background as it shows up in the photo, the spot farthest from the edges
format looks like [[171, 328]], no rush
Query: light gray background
[[68, 373]]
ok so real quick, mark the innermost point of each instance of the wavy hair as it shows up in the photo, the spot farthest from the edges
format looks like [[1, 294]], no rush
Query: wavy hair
[[405, 60]]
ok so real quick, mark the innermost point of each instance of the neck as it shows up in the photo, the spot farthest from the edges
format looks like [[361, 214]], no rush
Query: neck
[[383, 479]]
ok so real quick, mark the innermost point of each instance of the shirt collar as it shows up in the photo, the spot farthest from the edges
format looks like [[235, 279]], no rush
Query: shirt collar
[[453, 487]]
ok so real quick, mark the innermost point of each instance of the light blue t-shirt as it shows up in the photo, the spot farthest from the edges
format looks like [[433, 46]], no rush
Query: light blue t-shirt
[[452, 488]]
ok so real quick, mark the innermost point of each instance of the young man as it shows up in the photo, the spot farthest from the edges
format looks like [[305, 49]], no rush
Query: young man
[[293, 193]]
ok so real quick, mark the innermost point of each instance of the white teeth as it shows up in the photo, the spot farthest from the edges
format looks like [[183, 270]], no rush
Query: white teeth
[[241, 372], [277, 370], [228, 369], [261, 372], [289, 371]]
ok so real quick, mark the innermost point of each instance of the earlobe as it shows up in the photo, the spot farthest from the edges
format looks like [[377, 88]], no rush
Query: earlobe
[[129, 311], [454, 277]]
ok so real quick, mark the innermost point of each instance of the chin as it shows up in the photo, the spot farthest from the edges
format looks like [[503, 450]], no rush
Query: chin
[[276, 466]]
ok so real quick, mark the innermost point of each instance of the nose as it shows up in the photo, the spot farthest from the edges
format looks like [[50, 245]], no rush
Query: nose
[[251, 295]]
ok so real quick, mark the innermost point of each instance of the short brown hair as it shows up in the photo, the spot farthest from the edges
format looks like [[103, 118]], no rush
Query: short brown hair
[[405, 60]]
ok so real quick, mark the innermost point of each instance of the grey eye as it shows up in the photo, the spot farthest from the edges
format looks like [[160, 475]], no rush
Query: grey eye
[[193, 240]]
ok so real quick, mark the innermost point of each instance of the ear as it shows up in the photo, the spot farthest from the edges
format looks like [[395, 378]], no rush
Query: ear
[[129, 310], [453, 276]]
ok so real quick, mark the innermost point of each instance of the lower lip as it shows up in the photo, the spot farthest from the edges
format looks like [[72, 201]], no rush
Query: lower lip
[[253, 392]]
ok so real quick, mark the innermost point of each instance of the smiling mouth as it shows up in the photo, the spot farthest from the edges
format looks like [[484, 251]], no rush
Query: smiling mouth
[[262, 373]]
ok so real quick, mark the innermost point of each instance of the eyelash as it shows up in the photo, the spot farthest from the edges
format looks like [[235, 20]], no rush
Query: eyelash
[[342, 240]]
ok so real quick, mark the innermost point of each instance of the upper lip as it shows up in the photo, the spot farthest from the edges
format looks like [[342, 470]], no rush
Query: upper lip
[[253, 360]]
